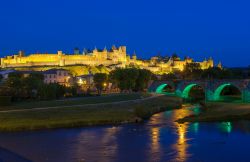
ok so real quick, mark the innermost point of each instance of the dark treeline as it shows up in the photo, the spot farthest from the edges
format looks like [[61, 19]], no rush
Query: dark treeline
[[127, 80], [32, 87], [131, 79], [194, 71]]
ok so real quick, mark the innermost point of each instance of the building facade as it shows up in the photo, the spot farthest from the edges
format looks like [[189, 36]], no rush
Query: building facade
[[60, 76]]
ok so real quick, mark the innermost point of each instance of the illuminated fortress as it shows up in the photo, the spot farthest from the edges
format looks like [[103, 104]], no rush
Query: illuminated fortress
[[117, 57]]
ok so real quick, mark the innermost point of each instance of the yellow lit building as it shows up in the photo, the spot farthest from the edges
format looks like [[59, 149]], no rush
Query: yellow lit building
[[117, 57]]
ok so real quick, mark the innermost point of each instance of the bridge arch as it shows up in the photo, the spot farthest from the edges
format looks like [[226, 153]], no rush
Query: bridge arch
[[186, 91], [161, 87], [220, 88]]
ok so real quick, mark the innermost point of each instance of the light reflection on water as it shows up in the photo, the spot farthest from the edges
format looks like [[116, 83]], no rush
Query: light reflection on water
[[158, 139]]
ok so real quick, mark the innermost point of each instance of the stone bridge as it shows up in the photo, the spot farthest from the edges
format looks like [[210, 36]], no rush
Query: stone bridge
[[212, 88]]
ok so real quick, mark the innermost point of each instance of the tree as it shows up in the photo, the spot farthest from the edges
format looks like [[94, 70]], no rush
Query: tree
[[125, 79], [51, 91], [143, 79], [211, 73], [217, 73], [100, 80], [1, 77], [192, 71], [31, 84], [175, 57], [131, 79], [14, 85], [170, 76]]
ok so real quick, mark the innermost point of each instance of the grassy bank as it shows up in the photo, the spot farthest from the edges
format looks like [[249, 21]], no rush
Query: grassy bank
[[109, 113], [214, 112], [75, 101]]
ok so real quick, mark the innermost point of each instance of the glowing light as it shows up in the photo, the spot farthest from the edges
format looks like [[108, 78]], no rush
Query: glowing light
[[246, 96], [104, 84], [181, 143], [195, 127], [185, 93], [155, 138], [219, 90], [80, 81], [226, 127], [160, 88]]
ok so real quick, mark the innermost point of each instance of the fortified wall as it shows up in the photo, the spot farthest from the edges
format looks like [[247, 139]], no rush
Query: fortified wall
[[114, 56]]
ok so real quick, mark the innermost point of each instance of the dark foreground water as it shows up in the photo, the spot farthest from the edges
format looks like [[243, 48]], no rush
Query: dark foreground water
[[159, 139]]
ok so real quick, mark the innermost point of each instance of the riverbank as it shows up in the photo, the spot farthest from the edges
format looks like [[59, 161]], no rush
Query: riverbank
[[218, 111], [86, 115], [75, 101]]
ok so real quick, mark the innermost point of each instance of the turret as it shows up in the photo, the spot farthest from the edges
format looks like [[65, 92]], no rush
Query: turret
[[124, 49], [21, 54], [105, 49], [95, 50], [104, 53], [2, 62], [59, 53], [114, 48], [61, 60], [134, 57], [210, 62], [76, 51], [219, 65], [85, 51]]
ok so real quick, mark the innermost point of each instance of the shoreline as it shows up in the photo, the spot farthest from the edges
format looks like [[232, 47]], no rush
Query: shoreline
[[116, 113], [220, 111]]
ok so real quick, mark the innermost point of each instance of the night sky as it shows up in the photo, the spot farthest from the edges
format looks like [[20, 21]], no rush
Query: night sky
[[195, 28]]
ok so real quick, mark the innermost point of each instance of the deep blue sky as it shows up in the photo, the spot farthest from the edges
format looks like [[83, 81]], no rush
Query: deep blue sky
[[195, 28]]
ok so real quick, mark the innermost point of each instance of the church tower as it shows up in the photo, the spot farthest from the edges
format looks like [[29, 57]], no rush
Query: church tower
[[219, 65], [210, 62], [134, 57], [76, 51]]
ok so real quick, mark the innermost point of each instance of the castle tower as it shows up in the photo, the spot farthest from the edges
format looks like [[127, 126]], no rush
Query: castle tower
[[95, 51], [210, 62], [114, 48], [59, 53], [122, 53], [60, 58], [219, 65], [134, 57], [105, 54], [21, 53], [2, 62], [76, 51], [85, 51], [124, 49], [105, 49]]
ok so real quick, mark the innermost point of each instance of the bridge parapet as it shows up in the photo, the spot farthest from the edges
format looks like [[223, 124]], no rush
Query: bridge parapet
[[212, 88]]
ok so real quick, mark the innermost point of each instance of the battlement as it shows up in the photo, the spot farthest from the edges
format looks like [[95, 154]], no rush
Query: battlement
[[96, 57]]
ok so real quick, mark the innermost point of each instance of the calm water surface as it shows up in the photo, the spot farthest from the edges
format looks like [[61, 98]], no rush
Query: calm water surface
[[159, 139]]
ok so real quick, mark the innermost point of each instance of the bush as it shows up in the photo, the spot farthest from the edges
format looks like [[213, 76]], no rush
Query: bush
[[5, 100]]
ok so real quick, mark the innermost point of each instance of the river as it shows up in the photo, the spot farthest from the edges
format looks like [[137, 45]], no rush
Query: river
[[158, 139]]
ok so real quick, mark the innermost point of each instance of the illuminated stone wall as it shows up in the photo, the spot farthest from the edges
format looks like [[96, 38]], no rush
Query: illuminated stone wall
[[116, 56]]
